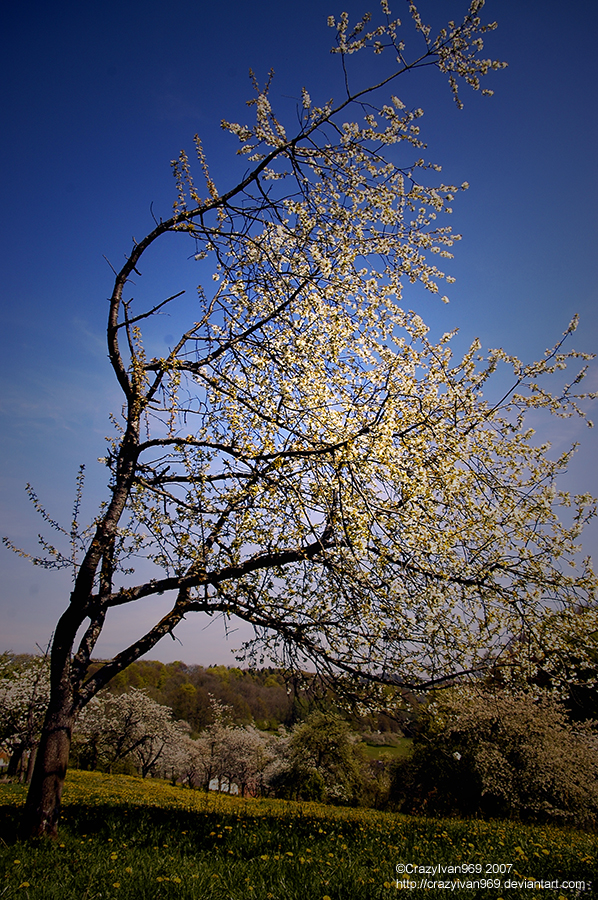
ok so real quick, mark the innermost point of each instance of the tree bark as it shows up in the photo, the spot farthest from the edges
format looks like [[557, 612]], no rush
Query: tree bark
[[31, 763], [42, 809]]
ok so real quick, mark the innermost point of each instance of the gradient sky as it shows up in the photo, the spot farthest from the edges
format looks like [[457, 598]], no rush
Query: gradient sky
[[98, 98]]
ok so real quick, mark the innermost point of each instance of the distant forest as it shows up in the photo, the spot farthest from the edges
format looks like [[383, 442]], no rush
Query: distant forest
[[267, 697]]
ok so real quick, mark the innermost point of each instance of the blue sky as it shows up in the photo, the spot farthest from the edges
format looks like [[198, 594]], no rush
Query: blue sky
[[98, 98]]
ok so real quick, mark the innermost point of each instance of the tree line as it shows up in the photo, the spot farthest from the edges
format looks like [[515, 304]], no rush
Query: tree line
[[477, 750], [267, 697]]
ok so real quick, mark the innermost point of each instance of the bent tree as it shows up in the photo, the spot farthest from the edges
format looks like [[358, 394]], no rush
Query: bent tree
[[305, 457]]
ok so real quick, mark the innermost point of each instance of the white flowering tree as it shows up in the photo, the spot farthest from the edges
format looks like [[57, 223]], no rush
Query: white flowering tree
[[183, 763], [247, 754], [305, 457], [112, 728], [224, 755], [24, 695], [501, 754]]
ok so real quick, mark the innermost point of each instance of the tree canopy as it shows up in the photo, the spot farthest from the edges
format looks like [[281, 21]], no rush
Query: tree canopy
[[305, 457]]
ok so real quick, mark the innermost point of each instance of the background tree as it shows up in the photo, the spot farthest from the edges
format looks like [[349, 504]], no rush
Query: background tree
[[212, 742], [319, 760], [566, 664], [500, 754], [247, 754], [305, 457], [24, 694], [128, 726], [184, 763]]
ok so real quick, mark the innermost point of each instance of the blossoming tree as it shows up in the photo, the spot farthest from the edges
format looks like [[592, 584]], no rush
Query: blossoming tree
[[24, 695], [112, 728], [305, 457]]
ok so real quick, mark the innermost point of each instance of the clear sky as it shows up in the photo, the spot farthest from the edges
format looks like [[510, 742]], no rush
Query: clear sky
[[99, 97]]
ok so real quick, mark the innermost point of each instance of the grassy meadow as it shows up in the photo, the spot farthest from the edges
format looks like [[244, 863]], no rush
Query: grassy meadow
[[123, 838], [400, 749]]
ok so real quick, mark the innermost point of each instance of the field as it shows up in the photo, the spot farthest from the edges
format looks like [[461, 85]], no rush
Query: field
[[126, 839]]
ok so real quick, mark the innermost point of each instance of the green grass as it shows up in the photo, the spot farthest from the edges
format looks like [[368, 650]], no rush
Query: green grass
[[123, 838], [401, 750]]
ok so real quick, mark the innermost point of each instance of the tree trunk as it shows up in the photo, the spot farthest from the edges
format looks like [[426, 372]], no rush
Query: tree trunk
[[42, 809], [31, 763], [14, 762]]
